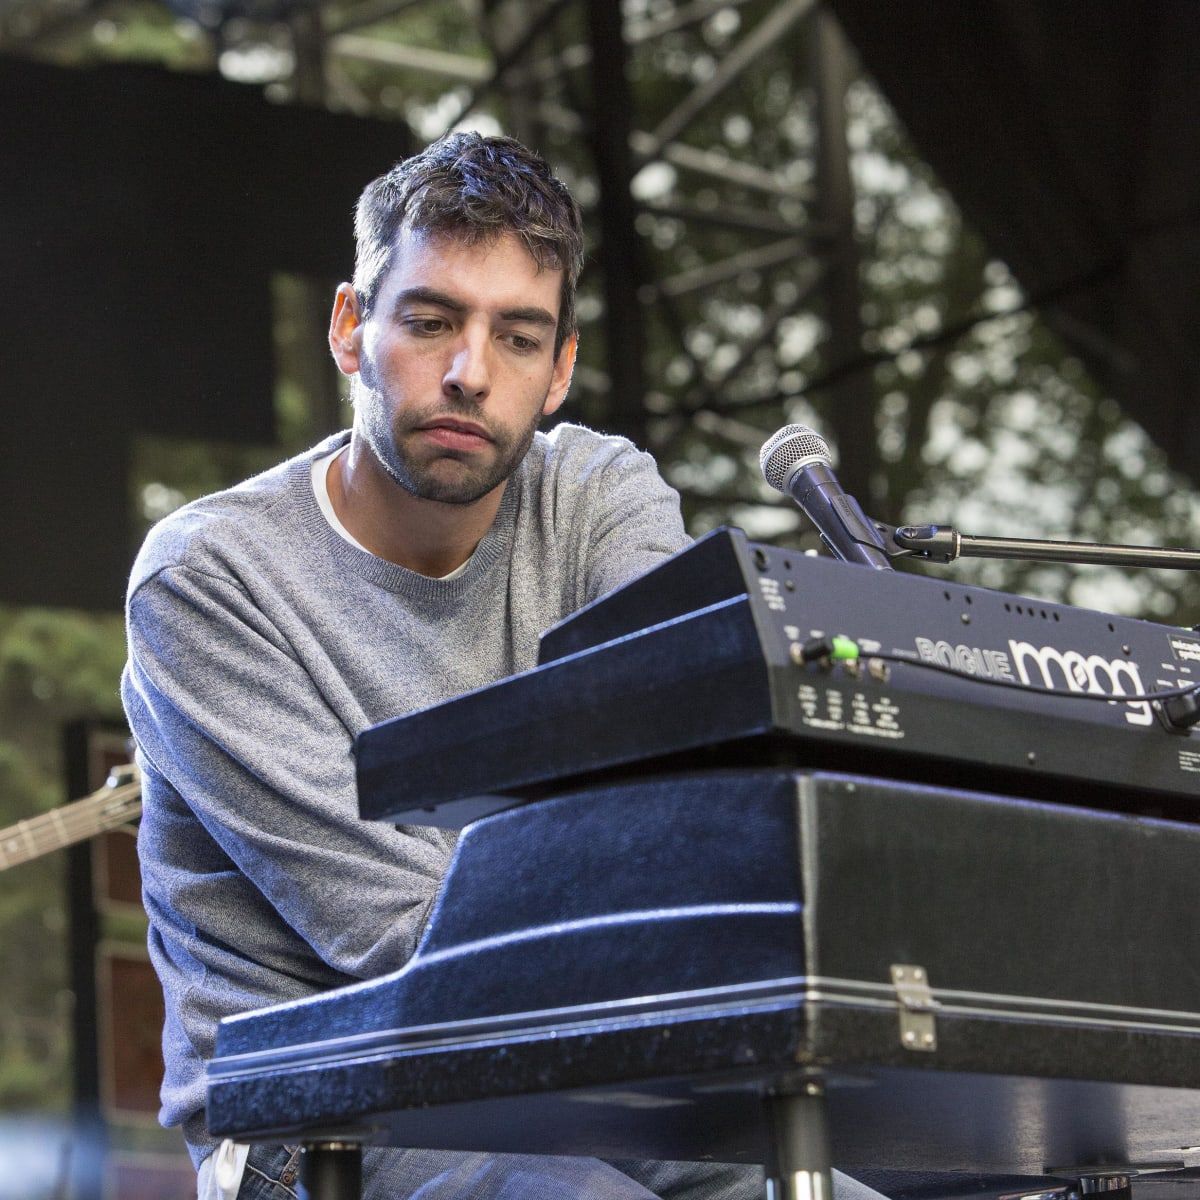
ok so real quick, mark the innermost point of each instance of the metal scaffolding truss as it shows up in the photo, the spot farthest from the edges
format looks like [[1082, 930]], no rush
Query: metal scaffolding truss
[[705, 138]]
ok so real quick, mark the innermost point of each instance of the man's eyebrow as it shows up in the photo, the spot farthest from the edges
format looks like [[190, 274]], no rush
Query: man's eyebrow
[[532, 315], [426, 295]]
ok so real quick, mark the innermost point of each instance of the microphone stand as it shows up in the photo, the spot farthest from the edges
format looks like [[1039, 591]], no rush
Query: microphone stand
[[943, 544]]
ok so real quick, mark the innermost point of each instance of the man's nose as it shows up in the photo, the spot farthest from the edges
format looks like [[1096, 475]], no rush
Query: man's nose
[[469, 374]]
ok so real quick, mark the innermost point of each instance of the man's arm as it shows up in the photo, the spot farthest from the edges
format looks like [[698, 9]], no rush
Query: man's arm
[[223, 710]]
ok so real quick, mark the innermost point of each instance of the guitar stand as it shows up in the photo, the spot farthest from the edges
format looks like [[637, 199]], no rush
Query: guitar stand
[[800, 1133]]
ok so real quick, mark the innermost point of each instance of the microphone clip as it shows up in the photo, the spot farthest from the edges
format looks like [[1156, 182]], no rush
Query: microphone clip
[[930, 543]]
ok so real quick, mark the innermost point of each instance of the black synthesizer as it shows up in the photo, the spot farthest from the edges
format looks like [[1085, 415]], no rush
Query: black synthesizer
[[737, 653]]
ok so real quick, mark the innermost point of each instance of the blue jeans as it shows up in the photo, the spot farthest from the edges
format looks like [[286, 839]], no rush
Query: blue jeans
[[272, 1173]]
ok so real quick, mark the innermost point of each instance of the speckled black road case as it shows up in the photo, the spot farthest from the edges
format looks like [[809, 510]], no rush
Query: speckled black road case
[[976, 983]]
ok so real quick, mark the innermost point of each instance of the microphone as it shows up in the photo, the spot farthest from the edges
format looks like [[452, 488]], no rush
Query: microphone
[[797, 461]]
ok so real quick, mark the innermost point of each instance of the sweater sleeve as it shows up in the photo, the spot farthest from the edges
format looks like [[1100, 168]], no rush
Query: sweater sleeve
[[237, 728], [634, 520]]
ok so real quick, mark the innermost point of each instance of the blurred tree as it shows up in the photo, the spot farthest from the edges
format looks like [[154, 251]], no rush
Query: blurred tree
[[54, 667]]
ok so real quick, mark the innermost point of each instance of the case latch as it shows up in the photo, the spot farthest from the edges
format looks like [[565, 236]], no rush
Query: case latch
[[917, 1007]]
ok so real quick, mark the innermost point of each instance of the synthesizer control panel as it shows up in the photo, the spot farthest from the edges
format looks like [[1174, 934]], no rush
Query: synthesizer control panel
[[733, 652]]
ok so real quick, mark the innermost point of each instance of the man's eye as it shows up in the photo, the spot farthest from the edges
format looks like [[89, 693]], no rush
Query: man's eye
[[425, 326], [518, 341]]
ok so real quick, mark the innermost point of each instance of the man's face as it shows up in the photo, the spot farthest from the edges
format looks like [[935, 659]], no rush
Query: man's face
[[455, 366]]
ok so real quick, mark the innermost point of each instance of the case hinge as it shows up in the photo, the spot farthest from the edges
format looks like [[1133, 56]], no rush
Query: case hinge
[[917, 1007]]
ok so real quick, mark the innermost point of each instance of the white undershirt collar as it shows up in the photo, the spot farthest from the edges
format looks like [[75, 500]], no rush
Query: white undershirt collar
[[320, 484]]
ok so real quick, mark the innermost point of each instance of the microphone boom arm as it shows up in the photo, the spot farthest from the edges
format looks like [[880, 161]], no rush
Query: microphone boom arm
[[943, 544]]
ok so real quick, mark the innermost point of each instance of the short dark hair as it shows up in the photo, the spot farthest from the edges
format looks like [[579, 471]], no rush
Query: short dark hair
[[472, 188]]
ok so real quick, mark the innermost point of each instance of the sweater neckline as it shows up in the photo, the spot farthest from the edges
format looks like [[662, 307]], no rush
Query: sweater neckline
[[379, 571]]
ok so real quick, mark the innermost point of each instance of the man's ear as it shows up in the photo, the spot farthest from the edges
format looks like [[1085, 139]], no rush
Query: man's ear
[[560, 380], [346, 329]]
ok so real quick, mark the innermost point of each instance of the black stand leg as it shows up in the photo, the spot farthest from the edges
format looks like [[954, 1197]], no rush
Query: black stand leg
[[1115, 1185], [801, 1170], [331, 1171]]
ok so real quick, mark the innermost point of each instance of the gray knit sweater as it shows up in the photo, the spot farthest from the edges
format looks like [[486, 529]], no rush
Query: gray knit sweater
[[260, 643]]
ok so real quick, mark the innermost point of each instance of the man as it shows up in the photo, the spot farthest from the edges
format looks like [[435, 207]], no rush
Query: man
[[412, 560]]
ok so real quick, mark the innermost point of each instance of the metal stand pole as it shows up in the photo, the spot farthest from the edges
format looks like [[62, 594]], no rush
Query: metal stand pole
[[1117, 1185], [331, 1171], [801, 1170]]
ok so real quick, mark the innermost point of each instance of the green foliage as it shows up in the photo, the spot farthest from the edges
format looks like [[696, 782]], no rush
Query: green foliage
[[55, 667], [135, 31]]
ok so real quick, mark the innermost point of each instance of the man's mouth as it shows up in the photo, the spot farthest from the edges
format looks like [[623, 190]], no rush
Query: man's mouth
[[456, 434]]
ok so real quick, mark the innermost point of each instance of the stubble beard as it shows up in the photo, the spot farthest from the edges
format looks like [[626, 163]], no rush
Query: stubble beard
[[445, 476]]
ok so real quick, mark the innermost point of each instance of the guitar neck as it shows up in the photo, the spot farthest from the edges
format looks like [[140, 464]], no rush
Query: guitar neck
[[117, 803]]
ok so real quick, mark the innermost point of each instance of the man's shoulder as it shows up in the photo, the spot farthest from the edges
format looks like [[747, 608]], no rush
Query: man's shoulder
[[206, 533], [573, 456], [603, 506]]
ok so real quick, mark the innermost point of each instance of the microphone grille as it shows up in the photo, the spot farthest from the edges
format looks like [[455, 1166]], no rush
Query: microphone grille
[[789, 448]]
